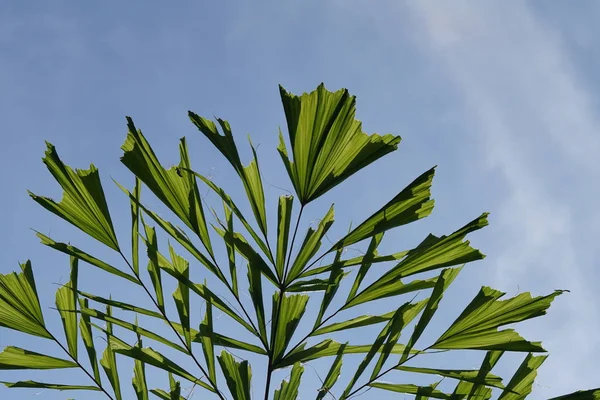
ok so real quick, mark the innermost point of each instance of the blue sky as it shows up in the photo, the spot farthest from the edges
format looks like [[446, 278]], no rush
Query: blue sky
[[502, 96]]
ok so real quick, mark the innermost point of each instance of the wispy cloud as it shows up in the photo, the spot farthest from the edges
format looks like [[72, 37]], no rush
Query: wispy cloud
[[541, 135]]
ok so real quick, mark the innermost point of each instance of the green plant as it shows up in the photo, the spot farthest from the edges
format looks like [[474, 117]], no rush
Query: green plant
[[327, 146]]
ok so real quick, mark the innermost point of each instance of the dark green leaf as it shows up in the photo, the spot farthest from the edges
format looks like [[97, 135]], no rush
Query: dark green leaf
[[17, 358], [289, 389], [237, 375]]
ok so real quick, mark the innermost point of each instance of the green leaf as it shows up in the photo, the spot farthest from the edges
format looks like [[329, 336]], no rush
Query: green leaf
[[333, 284], [227, 200], [412, 203], [206, 294], [178, 192], [85, 328], [250, 174], [174, 390], [328, 144], [153, 265], [66, 303], [328, 348], [19, 303], [289, 389], [333, 374], [378, 292], [354, 261], [405, 314], [310, 246], [131, 327], [246, 251], [473, 376], [83, 256], [42, 385], [427, 391], [477, 326], [521, 384], [237, 375], [206, 338], [290, 313], [478, 390], [121, 305], [164, 395], [109, 360], [182, 295], [139, 377], [230, 245], [390, 333], [16, 358], [445, 279], [83, 203], [152, 357], [135, 226], [256, 294], [592, 394], [365, 265], [284, 217], [220, 340], [363, 320]]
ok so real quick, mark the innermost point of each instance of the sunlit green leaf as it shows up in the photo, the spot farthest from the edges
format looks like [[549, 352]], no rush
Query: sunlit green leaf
[[479, 391], [151, 357], [246, 251], [472, 376], [121, 305], [83, 256], [139, 377], [310, 246], [335, 277], [354, 261], [153, 266], [445, 279], [289, 389], [85, 328], [182, 294], [521, 384], [291, 311], [396, 288], [328, 348], [250, 174], [16, 358], [109, 360], [206, 337], [19, 304], [227, 200], [477, 326], [333, 374], [177, 191], [178, 234], [132, 327], [411, 204], [284, 217], [83, 203], [66, 303], [328, 144], [256, 294], [365, 265], [237, 375]]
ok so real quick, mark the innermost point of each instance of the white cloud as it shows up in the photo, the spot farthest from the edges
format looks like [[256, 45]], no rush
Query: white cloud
[[533, 117]]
